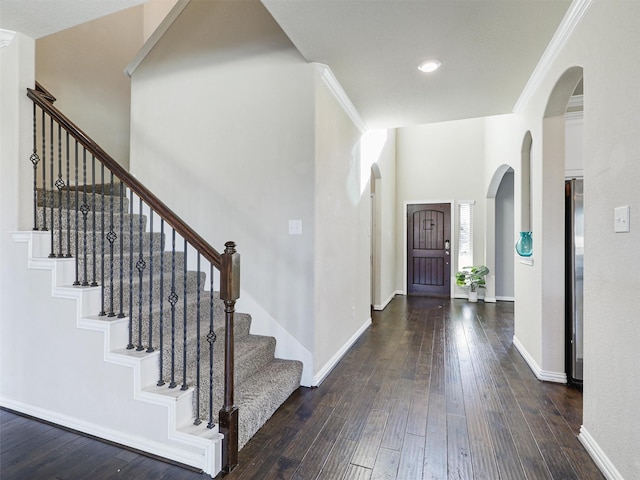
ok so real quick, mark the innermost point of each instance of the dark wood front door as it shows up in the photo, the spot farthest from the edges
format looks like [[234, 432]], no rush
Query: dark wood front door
[[429, 249]]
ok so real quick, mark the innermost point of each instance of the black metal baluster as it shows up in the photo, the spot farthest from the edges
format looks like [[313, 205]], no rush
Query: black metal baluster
[[94, 277], [76, 208], [150, 346], [130, 346], [161, 319], [173, 299], [34, 158], [44, 173], [102, 236], [197, 420], [121, 293], [51, 163], [184, 325], [140, 265], [211, 338], [68, 255], [111, 236], [84, 208], [60, 185]]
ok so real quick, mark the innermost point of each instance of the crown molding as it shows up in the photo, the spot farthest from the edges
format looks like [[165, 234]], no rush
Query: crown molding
[[155, 37], [572, 18], [6, 37], [341, 96]]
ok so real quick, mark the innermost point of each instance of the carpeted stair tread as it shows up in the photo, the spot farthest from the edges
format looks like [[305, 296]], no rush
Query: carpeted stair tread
[[159, 260], [65, 218], [260, 395], [252, 352], [102, 244]]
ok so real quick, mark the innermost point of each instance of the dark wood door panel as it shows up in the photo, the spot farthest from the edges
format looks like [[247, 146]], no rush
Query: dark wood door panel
[[428, 249]]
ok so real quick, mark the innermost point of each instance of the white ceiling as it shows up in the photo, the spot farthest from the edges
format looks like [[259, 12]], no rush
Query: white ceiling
[[488, 48], [39, 18]]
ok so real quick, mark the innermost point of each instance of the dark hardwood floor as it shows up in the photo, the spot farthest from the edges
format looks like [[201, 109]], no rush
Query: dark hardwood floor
[[433, 390]]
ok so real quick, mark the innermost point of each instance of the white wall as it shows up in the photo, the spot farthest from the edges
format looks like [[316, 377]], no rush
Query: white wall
[[386, 245], [429, 161], [342, 230], [235, 163], [612, 174], [154, 13], [238, 134], [604, 45], [16, 207], [83, 68]]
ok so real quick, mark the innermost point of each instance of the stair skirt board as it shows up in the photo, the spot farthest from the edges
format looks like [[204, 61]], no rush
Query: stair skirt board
[[182, 442]]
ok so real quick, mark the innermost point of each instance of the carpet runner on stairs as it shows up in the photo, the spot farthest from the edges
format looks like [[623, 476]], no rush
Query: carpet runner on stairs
[[262, 382]]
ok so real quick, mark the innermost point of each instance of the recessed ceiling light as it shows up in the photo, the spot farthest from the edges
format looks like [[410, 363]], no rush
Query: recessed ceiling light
[[429, 66]]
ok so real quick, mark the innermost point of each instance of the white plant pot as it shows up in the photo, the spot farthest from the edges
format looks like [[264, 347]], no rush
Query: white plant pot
[[473, 296]]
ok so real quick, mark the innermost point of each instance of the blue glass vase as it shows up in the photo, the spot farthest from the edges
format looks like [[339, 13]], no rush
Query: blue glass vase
[[524, 246]]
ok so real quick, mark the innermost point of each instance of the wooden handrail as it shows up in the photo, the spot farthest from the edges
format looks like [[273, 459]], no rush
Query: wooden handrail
[[45, 101], [45, 93]]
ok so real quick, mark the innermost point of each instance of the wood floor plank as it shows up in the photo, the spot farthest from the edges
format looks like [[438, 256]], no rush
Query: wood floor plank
[[369, 442], [412, 457], [459, 463], [435, 450], [355, 472], [386, 466], [317, 453], [394, 433], [339, 459]]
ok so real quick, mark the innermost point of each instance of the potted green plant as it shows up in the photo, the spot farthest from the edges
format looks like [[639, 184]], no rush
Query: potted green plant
[[473, 279]]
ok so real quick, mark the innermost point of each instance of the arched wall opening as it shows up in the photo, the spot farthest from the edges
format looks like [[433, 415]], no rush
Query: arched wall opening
[[376, 234], [548, 224], [525, 184], [495, 241]]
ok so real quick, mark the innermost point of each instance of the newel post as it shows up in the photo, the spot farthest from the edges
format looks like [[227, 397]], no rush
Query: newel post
[[229, 293]]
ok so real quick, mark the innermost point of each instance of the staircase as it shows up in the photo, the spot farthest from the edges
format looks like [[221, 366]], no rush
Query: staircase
[[129, 245], [262, 382]]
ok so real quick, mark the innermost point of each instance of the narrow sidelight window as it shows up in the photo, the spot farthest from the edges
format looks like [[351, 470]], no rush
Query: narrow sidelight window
[[465, 234]]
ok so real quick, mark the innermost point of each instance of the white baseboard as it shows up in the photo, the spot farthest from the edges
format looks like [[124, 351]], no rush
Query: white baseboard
[[544, 375], [505, 299], [384, 304], [180, 455], [604, 463], [326, 369]]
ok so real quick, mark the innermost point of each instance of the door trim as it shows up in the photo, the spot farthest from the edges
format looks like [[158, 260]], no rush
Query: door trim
[[454, 240]]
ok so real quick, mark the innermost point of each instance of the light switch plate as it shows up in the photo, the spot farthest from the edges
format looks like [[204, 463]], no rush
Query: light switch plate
[[295, 227], [621, 219]]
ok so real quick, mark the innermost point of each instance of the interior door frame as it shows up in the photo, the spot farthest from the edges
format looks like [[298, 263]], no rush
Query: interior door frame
[[454, 240]]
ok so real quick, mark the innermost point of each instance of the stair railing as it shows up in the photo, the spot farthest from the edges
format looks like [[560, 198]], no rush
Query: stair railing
[[80, 196]]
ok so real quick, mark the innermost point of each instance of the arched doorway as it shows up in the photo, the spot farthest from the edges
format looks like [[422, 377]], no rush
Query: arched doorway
[[549, 222], [497, 256], [375, 234]]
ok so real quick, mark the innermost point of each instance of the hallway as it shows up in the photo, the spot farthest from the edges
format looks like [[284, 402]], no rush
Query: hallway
[[433, 390]]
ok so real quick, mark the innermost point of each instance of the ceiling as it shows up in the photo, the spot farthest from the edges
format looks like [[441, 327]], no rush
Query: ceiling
[[488, 48], [39, 18]]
